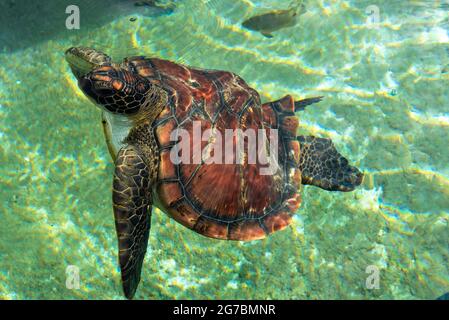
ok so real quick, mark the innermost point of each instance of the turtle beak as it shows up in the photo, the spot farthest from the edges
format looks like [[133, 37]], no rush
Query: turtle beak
[[79, 66], [83, 60]]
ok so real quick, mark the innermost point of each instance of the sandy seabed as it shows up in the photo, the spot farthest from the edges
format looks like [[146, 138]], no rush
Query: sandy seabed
[[386, 108]]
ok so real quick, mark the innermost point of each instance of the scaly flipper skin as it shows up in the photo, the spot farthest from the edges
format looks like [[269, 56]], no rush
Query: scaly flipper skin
[[300, 105], [322, 166], [132, 210]]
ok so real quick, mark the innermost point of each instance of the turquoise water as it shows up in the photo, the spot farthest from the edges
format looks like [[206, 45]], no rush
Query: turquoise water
[[385, 82]]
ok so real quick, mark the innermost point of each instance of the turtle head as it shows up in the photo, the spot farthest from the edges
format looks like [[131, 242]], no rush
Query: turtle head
[[108, 85], [83, 60]]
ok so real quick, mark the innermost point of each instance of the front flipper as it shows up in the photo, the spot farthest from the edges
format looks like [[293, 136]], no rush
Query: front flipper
[[322, 166], [107, 130], [131, 197]]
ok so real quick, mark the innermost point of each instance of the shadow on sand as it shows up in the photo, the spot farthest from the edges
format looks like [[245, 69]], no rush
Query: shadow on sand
[[24, 23]]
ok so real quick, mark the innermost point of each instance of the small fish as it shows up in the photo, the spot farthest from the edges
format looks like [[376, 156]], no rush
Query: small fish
[[150, 3], [155, 4], [274, 20]]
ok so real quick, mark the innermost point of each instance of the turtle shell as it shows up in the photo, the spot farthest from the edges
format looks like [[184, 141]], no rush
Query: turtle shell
[[232, 201]]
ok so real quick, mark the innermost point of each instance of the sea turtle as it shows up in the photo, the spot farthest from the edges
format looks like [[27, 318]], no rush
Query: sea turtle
[[148, 102]]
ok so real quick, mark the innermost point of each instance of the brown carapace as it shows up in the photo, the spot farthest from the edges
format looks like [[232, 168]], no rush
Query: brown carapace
[[226, 199]]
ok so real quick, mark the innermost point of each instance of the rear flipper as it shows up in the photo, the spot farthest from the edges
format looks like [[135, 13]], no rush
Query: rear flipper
[[300, 105], [322, 166]]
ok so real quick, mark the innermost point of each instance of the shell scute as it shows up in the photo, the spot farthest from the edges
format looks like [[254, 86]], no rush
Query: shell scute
[[170, 69], [210, 186], [164, 131], [166, 170], [277, 221], [171, 191], [214, 229], [230, 199], [246, 230], [184, 214]]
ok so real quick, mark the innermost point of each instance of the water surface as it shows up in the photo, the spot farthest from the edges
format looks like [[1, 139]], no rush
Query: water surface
[[386, 109]]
